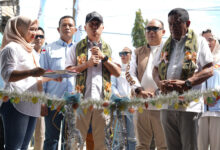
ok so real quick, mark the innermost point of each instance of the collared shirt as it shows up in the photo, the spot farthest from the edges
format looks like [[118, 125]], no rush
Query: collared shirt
[[174, 71], [54, 58], [94, 74], [120, 85], [15, 57], [147, 81]]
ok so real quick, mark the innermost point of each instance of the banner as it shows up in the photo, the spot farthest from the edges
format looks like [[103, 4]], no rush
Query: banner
[[41, 13], [78, 35]]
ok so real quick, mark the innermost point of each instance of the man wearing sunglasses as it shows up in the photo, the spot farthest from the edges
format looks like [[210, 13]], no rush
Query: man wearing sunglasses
[[39, 41], [185, 62], [148, 123], [121, 88]]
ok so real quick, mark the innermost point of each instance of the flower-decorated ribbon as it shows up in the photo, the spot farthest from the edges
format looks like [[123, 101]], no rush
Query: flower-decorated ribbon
[[70, 121]]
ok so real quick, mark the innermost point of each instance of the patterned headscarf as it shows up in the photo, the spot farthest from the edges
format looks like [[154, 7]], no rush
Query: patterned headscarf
[[15, 31]]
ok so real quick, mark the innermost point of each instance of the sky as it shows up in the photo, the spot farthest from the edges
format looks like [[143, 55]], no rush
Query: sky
[[119, 16]]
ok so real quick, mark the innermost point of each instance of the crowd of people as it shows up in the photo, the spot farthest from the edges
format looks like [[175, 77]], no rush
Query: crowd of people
[[183, 62]]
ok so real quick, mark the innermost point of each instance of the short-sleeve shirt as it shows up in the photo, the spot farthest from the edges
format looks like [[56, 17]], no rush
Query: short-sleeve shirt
[[204, 56], [94, 75]]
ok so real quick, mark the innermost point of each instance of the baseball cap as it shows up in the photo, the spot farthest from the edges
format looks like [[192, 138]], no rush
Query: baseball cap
[[94, 16]]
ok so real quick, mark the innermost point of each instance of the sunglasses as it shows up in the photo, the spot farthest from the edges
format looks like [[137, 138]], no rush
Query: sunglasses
[[123, 53], [152, 28], [39, 36]]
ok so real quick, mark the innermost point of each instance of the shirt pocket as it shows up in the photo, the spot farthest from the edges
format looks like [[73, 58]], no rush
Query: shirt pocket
[[57, 61]]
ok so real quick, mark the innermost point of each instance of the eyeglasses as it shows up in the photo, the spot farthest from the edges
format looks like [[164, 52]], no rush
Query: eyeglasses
[[152, 28], [39, 36], [123, 53]]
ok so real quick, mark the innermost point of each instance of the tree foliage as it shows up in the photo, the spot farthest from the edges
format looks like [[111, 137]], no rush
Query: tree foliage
[[138, 31]]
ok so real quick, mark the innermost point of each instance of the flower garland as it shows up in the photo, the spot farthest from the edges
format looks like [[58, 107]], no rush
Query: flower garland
[[134, 103]]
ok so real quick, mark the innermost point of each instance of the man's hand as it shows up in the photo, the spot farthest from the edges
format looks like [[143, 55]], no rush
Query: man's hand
[[146, 94], [46, 79], [94, 60], [44, 110], [59, 79], [36, 72], [71, 68], [167, 86], [96, 51], [141, 93]]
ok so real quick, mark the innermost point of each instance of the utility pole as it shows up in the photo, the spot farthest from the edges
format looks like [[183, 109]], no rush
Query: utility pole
[[74, 11]]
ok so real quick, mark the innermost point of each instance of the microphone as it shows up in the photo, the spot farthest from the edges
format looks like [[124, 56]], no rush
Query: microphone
[[95, 44]]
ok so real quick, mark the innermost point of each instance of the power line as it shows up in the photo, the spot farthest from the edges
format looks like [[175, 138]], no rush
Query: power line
[[213, 8]]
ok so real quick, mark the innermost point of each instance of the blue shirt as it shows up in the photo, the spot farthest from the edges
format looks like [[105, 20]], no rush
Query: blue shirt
[[212, 83], [1, 37], [54, 58], [1, 81]]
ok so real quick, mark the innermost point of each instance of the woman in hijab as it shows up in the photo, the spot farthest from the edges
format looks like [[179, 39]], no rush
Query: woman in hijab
[[20, 72]]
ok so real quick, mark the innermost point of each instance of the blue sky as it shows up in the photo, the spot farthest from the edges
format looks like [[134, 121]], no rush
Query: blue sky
[[119, 16]]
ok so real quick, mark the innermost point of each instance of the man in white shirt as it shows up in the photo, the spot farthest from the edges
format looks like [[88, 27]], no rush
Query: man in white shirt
[[121, 88], [90, 57], [185, 62], [140, 78]]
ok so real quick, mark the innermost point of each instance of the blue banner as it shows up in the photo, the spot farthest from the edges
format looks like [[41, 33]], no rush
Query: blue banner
[[41, 13]]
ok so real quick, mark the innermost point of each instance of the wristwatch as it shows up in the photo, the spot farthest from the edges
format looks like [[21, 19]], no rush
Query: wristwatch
[[188, 84], [105, 59], [138, 90]]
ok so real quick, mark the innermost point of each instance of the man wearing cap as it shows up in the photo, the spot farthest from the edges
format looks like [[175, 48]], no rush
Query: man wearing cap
[[91, 57], [139, 75]]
